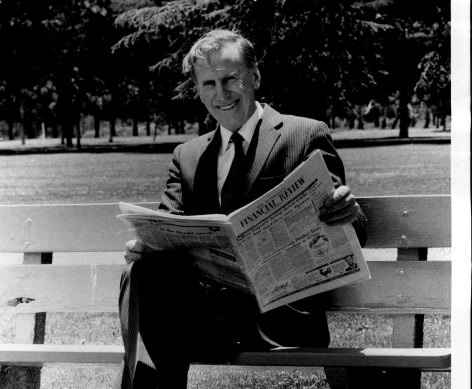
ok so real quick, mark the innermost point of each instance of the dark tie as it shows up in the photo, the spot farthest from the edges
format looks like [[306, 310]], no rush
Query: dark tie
[[235, 172]]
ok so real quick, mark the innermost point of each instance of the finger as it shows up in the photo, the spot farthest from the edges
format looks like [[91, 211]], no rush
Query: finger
[[339, 194], [342, 204], [341, 220], [136, 246], [341, 216], [132, 257], [135, 250], [130, 245]]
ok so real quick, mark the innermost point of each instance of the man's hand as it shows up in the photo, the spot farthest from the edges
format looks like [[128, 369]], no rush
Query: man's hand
[[134, 251], [340, 208]]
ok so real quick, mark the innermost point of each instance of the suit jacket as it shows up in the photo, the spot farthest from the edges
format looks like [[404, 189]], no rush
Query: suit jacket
[[280, 143]]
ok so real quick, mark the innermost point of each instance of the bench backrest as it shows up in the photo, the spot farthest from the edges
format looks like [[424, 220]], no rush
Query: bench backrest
[[409, 223], [394, 222]]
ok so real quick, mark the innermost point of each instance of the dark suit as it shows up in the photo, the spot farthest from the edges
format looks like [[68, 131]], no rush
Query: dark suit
[[180, 319]]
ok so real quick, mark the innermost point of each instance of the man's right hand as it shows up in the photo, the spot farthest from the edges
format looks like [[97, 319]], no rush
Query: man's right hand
[[135, 250]]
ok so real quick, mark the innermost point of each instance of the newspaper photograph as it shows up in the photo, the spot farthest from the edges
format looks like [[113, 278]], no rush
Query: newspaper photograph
[[275, 247]]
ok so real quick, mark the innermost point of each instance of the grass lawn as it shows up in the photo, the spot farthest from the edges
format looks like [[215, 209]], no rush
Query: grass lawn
[[112, 177], [357, 330], [346, 330], [398, 170]]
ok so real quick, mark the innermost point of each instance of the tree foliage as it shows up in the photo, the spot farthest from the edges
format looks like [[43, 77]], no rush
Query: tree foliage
[[119, 58], [312, 53]]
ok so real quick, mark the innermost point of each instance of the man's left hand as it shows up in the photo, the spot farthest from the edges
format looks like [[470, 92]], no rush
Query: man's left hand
[[340, 208]]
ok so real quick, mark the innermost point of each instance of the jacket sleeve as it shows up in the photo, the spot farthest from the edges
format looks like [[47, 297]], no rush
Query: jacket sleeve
[[171, 200], [321, 140]]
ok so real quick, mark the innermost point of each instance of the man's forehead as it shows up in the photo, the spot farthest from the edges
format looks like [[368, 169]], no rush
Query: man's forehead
[[228, 55]]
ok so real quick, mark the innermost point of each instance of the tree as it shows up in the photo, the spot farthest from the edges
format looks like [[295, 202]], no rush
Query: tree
[[408, 44], [23, 68], [434, 84], [79, 33], [66, 43], [327, 47]]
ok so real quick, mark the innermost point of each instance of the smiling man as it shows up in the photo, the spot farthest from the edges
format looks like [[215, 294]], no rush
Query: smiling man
[[169, 316], [226, 85]]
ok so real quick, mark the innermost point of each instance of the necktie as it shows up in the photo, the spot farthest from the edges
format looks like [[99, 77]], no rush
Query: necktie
[[235, 171]]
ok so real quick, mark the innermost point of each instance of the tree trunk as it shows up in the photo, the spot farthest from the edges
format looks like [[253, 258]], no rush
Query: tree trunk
[[68, 129], [112, 128], [148, 127], [79, 145], [10, 129], [404, 115], [443, 122], [23, 136], [62, 134], [96, 125], [30, 131], [135, 127]]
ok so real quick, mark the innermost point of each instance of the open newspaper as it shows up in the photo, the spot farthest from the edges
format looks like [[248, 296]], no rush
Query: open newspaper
[[275, 247]]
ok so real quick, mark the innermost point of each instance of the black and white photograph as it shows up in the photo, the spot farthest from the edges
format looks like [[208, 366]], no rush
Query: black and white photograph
[[212, 194]]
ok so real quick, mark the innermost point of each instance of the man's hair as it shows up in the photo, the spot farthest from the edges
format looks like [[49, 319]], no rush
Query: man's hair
[[214, 40]]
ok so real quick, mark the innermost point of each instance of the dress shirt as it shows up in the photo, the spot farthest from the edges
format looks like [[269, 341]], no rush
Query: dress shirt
[[226, 153]]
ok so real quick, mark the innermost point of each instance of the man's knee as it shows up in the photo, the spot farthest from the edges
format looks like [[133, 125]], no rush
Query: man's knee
[[157, 267]]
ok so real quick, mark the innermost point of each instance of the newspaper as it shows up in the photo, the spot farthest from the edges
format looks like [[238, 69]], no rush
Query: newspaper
[[275, 247]]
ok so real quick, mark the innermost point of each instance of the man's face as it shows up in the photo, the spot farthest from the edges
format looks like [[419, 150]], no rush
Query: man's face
[[226, 86]]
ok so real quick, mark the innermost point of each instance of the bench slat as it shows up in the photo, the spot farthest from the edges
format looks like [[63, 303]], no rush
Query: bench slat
[[94, 227], [408, 221], [425, 359], [63, 228], [395, 287]]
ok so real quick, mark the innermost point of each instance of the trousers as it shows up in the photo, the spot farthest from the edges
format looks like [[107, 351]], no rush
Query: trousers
[[170, 318]]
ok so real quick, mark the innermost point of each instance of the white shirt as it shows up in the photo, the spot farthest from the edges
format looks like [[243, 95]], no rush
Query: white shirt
[[226, 153]]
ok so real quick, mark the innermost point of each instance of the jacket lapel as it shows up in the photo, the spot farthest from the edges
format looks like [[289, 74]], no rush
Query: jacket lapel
[[267, 137], [205, 192]]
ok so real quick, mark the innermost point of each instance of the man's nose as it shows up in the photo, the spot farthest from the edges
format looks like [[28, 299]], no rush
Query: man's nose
[[222, 91]]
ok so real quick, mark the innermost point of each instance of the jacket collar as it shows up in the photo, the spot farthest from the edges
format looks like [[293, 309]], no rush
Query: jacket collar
[[267, 137]]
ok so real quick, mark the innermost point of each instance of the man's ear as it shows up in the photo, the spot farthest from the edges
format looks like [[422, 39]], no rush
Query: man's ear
[[257, 78]]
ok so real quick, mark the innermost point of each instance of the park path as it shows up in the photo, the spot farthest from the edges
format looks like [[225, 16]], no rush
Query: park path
[[166, 143]]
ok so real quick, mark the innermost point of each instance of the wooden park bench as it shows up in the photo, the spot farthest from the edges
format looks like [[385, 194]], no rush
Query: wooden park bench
[[407, 287]]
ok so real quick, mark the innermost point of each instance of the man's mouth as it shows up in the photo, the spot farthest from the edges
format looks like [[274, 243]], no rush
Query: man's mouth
[[228, 106]]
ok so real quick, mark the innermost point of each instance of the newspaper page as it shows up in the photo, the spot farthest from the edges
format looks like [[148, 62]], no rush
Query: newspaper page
[[275, 247], [288, 252], [209, 238]]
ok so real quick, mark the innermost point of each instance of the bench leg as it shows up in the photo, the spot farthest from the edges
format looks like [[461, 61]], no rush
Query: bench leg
[[30, 328], [25, 377], [337, 377]]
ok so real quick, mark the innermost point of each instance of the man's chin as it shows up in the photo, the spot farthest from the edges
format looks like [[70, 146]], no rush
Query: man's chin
[[231, 125]]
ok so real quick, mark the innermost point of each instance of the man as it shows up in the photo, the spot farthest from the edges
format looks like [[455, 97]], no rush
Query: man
[[169, 317]]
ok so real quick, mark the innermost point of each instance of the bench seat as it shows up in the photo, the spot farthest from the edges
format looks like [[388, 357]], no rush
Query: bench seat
[[425, 359], [407, 287]]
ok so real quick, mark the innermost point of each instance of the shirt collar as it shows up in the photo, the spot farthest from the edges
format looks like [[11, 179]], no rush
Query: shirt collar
[[246, 131]]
